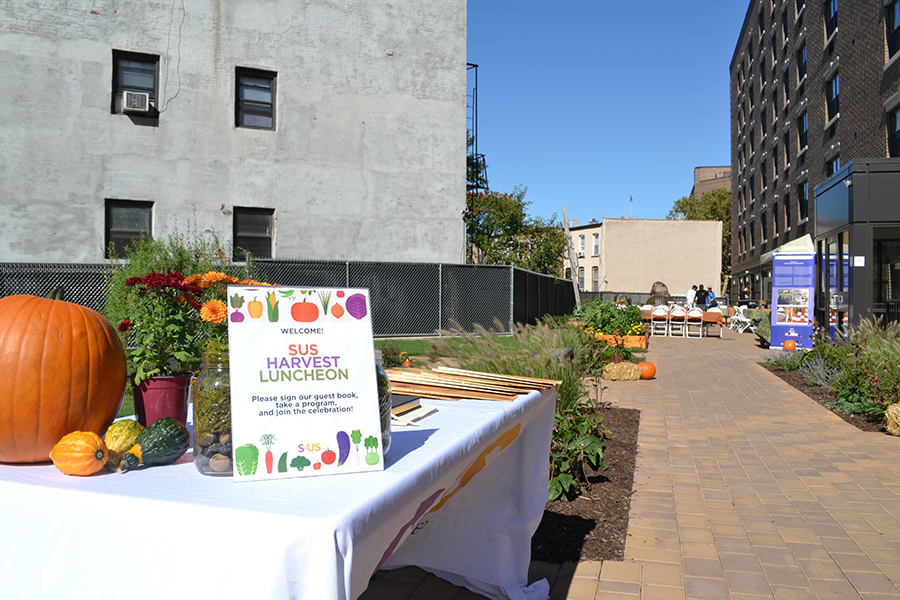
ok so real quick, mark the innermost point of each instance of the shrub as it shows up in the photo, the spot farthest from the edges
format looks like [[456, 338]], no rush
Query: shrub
[[818, 372], [609, 319], [787, 361], [578, 431]]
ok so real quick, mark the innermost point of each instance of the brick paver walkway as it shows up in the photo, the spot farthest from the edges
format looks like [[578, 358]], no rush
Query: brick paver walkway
[[744, 489]]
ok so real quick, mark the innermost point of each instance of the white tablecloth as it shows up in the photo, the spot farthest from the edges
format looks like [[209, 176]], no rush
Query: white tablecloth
[[460, 496]]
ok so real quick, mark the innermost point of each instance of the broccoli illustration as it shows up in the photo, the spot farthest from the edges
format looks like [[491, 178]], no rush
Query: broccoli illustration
[[300, 462]]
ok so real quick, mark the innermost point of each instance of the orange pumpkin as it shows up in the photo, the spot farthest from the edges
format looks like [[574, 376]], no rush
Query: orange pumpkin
[[62, 369], [648, 370], [304, 312], [79, 453], [790, 345]]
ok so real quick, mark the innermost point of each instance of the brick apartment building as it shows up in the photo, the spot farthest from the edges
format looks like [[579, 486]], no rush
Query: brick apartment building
[[814, 86]]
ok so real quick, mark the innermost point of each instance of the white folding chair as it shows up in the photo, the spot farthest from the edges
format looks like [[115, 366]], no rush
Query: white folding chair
[[739, 322], [719, 326], [694, 323], [659, 321], [677, 317]]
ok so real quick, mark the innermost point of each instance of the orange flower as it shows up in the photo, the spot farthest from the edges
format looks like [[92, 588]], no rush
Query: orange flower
[[214, 312], [192, 279]]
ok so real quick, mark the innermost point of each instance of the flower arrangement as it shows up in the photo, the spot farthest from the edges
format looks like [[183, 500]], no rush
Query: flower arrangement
[[172, 319], [161, 324]]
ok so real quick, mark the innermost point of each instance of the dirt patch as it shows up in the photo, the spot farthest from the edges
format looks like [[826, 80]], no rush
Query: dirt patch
[[824, 397], [594, 526]]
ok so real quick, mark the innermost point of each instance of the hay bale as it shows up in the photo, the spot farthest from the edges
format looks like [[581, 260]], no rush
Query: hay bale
[[892, 419], [621, 372]]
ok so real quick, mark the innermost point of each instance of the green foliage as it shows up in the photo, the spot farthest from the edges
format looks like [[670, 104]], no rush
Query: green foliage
[[390, 356], [787, 361], [500, 232], [578, 431], [711, 206], [476, 169], [607, 318]]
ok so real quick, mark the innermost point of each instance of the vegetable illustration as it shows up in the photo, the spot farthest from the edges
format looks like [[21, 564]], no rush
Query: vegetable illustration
[[356, 436], [304, 312], [371, 445], [236, 301], [268, 440], [317, 466], [246, 459], [328, 456], [340, 294], [255, 308], [282, 463], [272, 307], [343, 441], [325, 297], [337, 311], [286, 293], [356, 306], [299, 462]]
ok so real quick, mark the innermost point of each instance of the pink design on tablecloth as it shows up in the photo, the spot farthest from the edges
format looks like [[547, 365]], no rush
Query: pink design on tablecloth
[[423, 508]]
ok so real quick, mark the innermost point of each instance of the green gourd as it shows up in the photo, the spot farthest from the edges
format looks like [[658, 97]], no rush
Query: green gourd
[[161, 443]]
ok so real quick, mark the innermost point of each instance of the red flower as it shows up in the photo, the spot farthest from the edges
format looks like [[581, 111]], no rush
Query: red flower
[[124, 326]]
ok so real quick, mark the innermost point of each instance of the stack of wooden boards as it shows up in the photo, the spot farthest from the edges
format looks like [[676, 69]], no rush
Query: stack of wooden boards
[[446, 383]]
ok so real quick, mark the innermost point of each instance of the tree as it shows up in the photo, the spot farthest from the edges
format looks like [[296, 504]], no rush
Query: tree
[[500, 232], [711, 206], [476, 169]]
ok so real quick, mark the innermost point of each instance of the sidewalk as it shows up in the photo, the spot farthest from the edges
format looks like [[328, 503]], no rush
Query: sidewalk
[[744, 489]]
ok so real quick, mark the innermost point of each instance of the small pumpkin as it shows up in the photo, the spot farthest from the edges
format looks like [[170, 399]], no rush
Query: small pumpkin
[[63, 370], [648, 370], [120, 437], [79, 453], [790, 345]]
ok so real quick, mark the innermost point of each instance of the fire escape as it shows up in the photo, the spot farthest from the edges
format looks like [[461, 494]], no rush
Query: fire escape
[[476, 168]]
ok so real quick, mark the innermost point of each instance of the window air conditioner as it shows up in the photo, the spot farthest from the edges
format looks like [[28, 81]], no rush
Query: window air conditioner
[[137, 102], [581, 255]]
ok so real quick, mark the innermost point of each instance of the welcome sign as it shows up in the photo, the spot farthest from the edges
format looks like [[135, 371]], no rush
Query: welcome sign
[[304, 396]]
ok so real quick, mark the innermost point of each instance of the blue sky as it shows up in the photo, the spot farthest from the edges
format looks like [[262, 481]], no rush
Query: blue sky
[[588, 102]]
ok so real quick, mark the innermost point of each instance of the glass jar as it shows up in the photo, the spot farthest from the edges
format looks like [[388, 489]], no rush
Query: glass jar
[[384, 402], [212, 415]]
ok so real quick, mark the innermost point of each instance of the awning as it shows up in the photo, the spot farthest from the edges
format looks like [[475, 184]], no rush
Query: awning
[[802, 245]]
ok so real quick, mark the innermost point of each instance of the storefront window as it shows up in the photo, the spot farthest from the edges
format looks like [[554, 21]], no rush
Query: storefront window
[[886, 265]]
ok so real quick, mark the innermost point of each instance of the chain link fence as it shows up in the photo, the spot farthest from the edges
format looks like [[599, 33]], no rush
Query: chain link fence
[[408, 299]]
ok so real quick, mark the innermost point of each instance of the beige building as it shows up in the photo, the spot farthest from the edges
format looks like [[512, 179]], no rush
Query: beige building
[[629, 255], [709, 179]]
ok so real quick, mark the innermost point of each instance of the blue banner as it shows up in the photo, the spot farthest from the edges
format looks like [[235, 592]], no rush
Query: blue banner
[[793, 292]]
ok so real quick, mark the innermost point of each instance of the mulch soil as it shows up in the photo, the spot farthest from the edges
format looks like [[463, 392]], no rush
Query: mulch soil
[[594, 525]]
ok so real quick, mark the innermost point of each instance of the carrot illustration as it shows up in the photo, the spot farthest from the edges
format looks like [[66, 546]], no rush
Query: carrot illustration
[[268, 440]]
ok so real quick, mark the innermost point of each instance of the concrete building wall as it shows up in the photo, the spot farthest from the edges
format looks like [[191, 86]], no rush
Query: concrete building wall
[[708, 179], [366, 162], [636, 253]]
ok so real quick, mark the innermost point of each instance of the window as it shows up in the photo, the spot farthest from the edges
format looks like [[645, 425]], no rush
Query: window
[[595, 278], [893, 27], [775, 217], [833, 166], [787, 212], [787, 90], [775, 161], [596, 244], [581, 278], [581, 244], [127, 221], [801, 64], [804, 200], [764, 225], [833, 93], [830, 13], [886, 265], [800, 5], [254, 104], [752, 189], [802, 131], [752, 96], [764, 171], [895, 133], [134, 72], [253, 232], [752, 235]]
